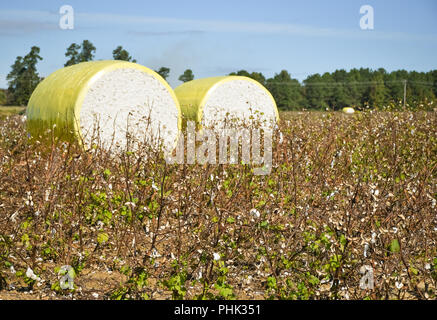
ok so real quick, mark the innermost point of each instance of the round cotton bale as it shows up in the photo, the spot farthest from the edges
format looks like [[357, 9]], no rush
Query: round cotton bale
[[217, 101], [115, 104], [348, 110]]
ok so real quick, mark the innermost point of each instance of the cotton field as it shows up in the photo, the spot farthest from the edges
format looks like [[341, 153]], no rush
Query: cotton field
[[348, 211]]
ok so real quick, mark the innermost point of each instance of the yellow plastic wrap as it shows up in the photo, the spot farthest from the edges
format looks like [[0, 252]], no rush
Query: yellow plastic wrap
[[348, 110], [56, 102], [193, 95]]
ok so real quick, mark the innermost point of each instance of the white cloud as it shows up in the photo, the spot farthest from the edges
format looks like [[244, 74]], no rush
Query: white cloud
[[14, 20], [249, 27], [165, 33]]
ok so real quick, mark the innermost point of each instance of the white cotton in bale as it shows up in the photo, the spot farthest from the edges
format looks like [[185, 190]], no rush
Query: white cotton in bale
[[117, 105], [129, 105], [227, 102]]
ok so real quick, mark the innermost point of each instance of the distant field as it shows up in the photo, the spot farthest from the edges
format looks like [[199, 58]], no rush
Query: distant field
[[10, 110], [288, 115]]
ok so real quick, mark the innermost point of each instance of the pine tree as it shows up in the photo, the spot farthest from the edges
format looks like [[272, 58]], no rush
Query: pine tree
[[187, 76], [164, 72], [258, 76], [313, 92], [23, 77], [286, 91], [377, 91], [87, 53], [121, 54], [74, 54], [340, 96], [243, 73], [80, 53]]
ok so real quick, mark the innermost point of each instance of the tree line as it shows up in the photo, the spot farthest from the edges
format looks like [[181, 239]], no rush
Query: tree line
[[358, 88]]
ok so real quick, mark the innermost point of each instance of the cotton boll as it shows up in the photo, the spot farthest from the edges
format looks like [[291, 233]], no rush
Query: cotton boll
[[373, 240], [30, 274], [366, 248], [14, 216], [155, 253], [255, 213]]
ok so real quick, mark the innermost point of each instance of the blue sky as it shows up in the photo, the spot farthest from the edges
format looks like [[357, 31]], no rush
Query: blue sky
[[217, 37]]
